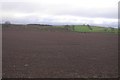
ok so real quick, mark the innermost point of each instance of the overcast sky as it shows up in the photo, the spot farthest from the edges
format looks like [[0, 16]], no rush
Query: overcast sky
[[93, 12]]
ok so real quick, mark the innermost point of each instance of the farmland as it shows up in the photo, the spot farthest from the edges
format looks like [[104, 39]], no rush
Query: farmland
[[57, 52], [77, 28]]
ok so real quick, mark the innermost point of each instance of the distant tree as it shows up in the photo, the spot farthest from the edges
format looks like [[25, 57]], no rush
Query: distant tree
[[112, 29], [118, 30], [83, 24], [7, 23], [73, 27], [105, 29], [89, 26], [66, 27]]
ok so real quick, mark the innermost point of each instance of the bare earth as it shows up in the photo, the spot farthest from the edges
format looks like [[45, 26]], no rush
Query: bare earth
[[36, 54]]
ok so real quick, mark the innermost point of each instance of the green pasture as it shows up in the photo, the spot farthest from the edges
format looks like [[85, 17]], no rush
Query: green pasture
[[85, 28]]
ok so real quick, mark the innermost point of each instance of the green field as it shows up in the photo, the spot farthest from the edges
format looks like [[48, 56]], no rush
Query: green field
[[73, 28], [85, 28], [94, 29]]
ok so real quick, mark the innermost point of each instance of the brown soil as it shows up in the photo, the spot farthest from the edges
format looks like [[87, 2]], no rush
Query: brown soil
[[35, 54]]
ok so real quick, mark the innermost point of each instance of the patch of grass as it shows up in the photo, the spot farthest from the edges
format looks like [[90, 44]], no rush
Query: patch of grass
[[73, 28], [83, 28]]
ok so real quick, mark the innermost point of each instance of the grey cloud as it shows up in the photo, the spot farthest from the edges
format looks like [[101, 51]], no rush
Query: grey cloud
[[59, 10], [56, 10], [22, 7], [93, 13]]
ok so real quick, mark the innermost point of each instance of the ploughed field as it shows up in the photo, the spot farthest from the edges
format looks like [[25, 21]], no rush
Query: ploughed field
[[58, 54]]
